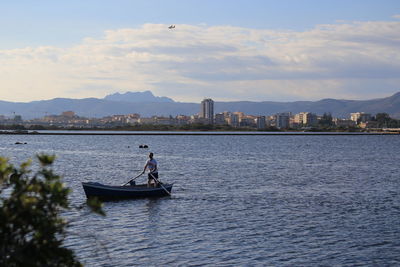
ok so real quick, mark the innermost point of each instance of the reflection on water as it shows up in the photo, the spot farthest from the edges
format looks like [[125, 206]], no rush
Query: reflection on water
[[237, 200]]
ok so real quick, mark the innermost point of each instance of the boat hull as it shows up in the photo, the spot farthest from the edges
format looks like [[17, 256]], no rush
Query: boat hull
[[108, 192]]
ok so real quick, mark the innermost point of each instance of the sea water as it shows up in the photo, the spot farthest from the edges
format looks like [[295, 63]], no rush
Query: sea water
[[237, 200]]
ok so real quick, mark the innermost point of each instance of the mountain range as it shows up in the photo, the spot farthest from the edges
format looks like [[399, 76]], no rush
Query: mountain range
[[146, 104], [138, 97]]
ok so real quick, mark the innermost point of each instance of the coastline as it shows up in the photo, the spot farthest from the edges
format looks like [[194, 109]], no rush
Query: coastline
[[200, 133]]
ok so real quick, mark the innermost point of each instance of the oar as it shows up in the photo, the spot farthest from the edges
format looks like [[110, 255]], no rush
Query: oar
[[133, 179], [165, 189]]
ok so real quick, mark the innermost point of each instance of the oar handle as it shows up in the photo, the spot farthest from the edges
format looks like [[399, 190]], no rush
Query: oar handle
[[133, 179]]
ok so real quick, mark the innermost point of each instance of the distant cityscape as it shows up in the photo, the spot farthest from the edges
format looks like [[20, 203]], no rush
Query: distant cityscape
[[206, 116]]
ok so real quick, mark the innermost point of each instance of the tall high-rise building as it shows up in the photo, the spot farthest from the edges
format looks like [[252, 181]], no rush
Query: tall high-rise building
[[207, 110]]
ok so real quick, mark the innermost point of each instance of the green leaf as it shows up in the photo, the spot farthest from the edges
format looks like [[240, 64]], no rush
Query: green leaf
[[95, 205], [45, 159]]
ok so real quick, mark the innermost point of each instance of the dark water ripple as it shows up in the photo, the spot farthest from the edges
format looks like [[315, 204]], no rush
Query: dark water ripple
[[237, 200]]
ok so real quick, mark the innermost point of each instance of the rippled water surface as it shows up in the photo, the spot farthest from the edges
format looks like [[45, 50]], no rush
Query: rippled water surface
[[237, 200]]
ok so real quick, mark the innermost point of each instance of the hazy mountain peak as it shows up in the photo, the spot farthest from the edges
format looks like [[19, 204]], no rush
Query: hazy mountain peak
[[396, 95], [137, 97], [143, 104]]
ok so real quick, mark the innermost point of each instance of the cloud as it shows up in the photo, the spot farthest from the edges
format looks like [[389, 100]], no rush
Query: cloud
[[226, 63]]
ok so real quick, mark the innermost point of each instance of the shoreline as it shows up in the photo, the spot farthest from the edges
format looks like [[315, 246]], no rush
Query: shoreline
[[204, 133]]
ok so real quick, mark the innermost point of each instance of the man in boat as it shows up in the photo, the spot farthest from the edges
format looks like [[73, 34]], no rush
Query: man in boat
[[151, 165]]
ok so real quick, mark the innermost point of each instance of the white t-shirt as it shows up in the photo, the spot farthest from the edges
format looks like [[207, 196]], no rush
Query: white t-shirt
[[152, 165]]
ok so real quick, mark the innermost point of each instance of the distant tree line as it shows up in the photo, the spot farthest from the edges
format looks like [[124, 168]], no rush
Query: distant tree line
[[139, 127], [385, 121]]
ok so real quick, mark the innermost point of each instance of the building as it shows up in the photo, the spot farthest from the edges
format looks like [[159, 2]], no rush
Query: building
[[293, 123], [207, 110], [344, 123], [220, 119], [305, 119], [248, 121], [360, 117], [132, 118], [234, 120], [311, 119], [282, 120], [183, 119], [270, 121], [298, 118], [261, 122]]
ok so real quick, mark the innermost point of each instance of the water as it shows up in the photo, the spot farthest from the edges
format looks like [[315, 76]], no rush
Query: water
[[237, 200]]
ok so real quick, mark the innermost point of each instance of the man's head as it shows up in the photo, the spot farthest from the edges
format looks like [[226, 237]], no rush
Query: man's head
[[151, 155]]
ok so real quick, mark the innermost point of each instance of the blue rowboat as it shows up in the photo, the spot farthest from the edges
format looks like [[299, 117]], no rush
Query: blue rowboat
[[110, 192]]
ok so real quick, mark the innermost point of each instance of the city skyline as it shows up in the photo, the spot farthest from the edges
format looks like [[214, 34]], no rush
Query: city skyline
[[255, 51], [227, 120], [145, 103]]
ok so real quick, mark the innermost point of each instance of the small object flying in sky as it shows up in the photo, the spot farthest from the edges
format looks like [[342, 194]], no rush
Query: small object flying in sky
[[171, 27]]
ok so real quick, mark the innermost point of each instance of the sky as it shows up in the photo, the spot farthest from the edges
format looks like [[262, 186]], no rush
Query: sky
[[227, 50]]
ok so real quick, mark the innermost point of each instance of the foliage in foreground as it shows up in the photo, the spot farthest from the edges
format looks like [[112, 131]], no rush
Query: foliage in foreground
[[31, 228]]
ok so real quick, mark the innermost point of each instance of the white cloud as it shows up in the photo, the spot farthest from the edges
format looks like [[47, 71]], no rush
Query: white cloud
[[226, 63]]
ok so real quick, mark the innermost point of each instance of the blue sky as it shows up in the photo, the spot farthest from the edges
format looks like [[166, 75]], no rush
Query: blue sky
[[27, 23], [226, 50]]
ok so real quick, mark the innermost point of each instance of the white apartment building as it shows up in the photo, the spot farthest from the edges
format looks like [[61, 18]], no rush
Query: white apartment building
[[360, 117], [306, 119]]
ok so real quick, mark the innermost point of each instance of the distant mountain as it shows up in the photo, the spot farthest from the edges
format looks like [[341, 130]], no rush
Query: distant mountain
[[138, 97], [338, 108], [94, 107], [342, 108]]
